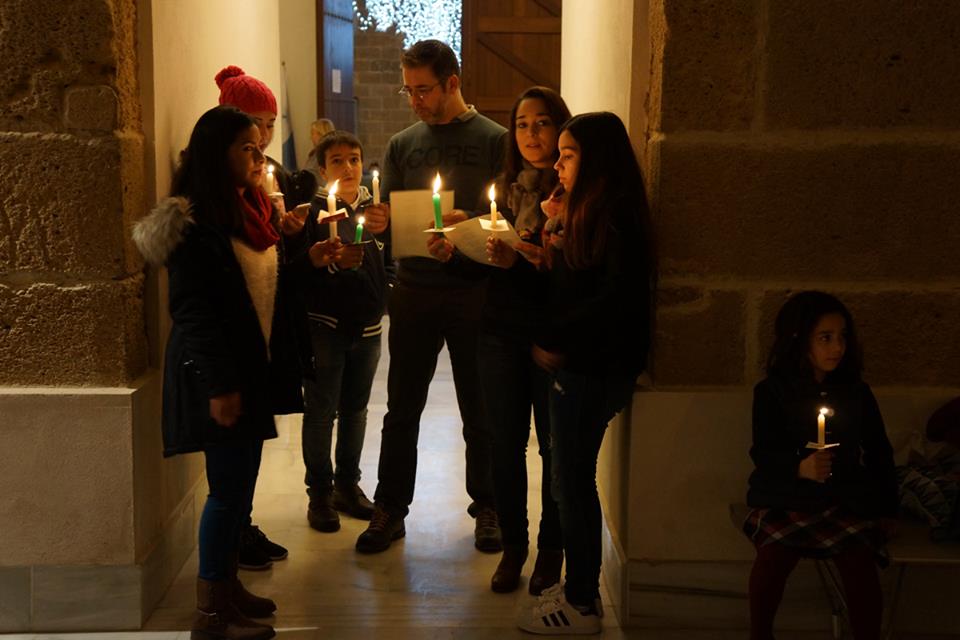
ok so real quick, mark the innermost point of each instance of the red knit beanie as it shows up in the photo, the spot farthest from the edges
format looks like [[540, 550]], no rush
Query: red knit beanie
[[244, 92]]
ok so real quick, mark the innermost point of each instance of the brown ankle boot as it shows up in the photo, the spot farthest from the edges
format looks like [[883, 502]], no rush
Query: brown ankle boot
[[507, 576], [250, 605], [546, 571], [218, 619]]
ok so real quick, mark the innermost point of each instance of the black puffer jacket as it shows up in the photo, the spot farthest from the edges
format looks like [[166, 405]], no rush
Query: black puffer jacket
[[216, 345], [785, 420]]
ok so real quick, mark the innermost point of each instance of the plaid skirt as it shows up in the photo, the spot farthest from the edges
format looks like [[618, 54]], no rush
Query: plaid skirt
[[821, 534]]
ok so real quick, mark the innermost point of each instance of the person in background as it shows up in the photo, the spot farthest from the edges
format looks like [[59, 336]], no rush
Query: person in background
[[318, 129], [226, 364], [593, 343], [345, 302], [838, 503], [431, 305]]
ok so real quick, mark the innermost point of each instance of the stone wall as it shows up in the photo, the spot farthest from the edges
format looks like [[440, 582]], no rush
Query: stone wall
[[799, 145], [71, 172], [376, 81]]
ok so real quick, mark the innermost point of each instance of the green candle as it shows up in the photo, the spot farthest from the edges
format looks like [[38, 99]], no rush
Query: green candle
[[359, 236], [437, 215]]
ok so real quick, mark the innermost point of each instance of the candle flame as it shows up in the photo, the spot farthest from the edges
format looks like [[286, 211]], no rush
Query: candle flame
[[376, 174], [333, 189], [492, 193], [270, 168], [824, 411], [436, 183], [361, 220]]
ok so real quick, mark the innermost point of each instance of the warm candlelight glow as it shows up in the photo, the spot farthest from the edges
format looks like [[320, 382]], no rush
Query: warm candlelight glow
[[437, 184], [376, 187], [492, 193], [333, 189]]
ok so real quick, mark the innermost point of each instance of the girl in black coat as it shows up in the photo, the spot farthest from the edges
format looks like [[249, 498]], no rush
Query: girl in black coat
[[229, 365], [808, 501]]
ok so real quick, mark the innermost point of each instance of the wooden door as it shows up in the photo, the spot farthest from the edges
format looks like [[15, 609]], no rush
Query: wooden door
[[508, 46], [335, 63]]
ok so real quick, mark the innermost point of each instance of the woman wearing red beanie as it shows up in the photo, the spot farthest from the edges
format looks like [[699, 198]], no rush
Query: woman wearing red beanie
[[253, 97]]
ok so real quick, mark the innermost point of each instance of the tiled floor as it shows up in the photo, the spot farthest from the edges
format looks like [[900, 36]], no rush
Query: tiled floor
[[432, 584]]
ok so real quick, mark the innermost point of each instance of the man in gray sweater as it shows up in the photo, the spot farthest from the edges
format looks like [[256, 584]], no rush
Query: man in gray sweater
[[431, 304]]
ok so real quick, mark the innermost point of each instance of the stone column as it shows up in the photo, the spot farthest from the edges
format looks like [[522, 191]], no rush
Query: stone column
[[77, 408]]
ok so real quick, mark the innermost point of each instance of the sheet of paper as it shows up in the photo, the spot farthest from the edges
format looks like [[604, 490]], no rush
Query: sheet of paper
[[470, 237], [410, 213]]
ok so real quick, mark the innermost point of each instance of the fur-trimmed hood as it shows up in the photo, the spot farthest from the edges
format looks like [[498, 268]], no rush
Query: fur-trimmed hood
[[159, 232]]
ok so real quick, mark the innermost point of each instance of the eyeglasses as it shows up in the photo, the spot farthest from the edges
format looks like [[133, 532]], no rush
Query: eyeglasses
[[418, 92]]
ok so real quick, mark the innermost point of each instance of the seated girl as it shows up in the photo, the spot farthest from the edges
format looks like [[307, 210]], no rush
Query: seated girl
[[810, 499]]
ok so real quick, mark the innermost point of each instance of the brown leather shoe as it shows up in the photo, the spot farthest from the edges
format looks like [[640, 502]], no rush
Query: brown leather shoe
[[321, 515], [218, 619], [546, 570], [351, 500], [246, 603], [507, 576]]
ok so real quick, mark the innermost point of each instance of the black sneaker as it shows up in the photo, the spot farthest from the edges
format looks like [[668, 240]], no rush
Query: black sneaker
[[384, 528], [272, 549], [252, 556], [486, 531], [352, 501], [321, 515]]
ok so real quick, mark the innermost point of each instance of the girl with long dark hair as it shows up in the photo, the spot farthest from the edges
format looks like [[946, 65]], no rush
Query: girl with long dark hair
[[593, 344], [229, 363]]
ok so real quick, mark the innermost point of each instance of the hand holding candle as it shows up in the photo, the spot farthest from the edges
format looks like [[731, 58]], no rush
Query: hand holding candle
[[376, 187], [437, 215]]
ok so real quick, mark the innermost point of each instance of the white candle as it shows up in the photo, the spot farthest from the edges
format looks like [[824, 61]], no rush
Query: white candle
[[332, 207], [271, 181], [822, 426], [492, 193], [376, 187]]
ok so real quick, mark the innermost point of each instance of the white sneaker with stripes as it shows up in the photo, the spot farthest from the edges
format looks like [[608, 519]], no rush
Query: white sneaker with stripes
[[553, 615]]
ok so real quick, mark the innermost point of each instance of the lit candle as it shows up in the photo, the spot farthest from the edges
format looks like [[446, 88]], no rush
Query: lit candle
[[332, 207], [376, 187], [822, 426], [271, 181], [437, 216], [492, 193], [359, 236]]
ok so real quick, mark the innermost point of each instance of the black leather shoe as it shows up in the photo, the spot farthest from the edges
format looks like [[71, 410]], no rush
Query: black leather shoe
[[251, 556], [486, 531], [321, 515], [273, 550], [384, 528], [351, 500], [507, 576]]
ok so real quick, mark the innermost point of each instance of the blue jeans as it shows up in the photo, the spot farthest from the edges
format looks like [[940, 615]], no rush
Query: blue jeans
[[512, 384], [581, 405], [344, 370], [232, 469]]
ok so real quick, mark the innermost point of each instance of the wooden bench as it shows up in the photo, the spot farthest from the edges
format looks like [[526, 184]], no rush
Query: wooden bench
[[910, 547]]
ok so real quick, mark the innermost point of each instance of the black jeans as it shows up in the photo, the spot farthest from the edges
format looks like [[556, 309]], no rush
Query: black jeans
[[421, 320], [512, 384], [232, 469], [581, 405]]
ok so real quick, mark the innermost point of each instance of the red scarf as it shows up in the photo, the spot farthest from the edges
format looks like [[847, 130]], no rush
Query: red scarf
[[257, 212]]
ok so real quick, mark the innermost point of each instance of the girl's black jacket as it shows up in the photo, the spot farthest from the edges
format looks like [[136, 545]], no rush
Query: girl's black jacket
[[216, 345], [785, 420], [598, 317]]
